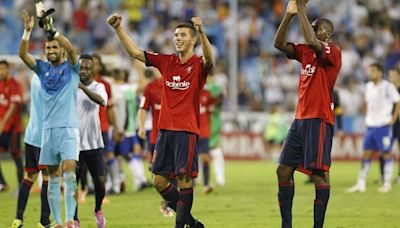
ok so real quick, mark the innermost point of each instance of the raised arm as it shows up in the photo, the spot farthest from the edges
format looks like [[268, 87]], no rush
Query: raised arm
[[205, 43], [69, 48], [46, 22], [280, 37], [308, 33], [28, 59], [129, 45]]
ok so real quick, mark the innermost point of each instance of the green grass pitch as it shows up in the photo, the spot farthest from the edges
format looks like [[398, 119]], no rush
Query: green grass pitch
[[248, 200]]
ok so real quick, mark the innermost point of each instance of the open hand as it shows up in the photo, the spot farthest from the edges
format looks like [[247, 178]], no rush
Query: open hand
[[29, 21], [114, 20]]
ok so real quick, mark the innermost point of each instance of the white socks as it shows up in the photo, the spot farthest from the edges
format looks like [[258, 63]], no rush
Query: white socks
[[137, 169], [387, 171], [219, 165], [362, 175]]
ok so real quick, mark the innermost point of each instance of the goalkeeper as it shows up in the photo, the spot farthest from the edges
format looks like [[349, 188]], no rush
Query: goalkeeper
[[59, 79]]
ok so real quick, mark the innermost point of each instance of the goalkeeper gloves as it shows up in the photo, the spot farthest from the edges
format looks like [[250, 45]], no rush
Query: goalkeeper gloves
[[45, 20], [49, 27]]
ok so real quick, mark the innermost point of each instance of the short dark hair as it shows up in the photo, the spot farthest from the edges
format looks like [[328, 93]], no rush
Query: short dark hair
[[377, 66], [191, 28], [50, 38], [5, 62], [86, 56], [324, 21]]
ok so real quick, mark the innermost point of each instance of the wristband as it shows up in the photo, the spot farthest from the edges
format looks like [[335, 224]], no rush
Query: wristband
[[26, 35]]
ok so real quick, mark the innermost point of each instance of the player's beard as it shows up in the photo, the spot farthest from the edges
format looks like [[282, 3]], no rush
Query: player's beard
[[54, 58]]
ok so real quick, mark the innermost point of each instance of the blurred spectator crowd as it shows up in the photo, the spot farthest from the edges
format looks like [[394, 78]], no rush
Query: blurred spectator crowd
[[366, 30]]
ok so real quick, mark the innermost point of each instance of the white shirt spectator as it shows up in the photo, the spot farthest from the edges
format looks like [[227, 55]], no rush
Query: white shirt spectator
[[380, 99], [351, 99], [89, 120]]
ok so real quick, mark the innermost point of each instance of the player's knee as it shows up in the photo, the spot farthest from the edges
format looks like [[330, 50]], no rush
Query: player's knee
[[54, 170], [387, 155], [31, 176], [320, 177], [160, 183], [367, 154], [99, 180], [69, 166], [45, 173], [184, 181], [284, 173]]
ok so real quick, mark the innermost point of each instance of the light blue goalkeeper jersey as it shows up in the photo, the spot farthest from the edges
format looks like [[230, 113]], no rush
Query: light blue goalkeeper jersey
[[59, 87]]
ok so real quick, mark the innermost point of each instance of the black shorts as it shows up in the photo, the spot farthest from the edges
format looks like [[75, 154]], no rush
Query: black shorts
[[203, 146], [175, 154], [93, 160], [396, 131], [308, 146], [106, 140], [11, 141], [32, 154]]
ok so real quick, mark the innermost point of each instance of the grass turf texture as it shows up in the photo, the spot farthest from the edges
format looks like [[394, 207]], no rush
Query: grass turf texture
[[248, 200]]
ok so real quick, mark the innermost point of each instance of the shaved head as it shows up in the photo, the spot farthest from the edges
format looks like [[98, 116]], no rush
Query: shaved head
[[323, 22]]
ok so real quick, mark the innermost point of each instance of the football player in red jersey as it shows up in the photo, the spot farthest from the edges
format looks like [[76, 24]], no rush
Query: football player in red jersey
[[10, 119], [184, 75], [203, 148], [308, 144]]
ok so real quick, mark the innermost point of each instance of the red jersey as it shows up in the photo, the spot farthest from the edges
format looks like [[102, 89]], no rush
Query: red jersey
[[104, 123], [182, 85], [11, 92], [206, 106], [317, 78], [152, 100]]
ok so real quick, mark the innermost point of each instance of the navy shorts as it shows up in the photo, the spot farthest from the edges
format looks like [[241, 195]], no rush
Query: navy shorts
[[308, 146], [151, 147], [175, 154], [11, 141], [32, 154], [127, 145], [203, 146], [93, 160]]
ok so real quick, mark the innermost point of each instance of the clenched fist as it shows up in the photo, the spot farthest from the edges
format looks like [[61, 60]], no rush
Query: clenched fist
[[198, 24], [114, 20]]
